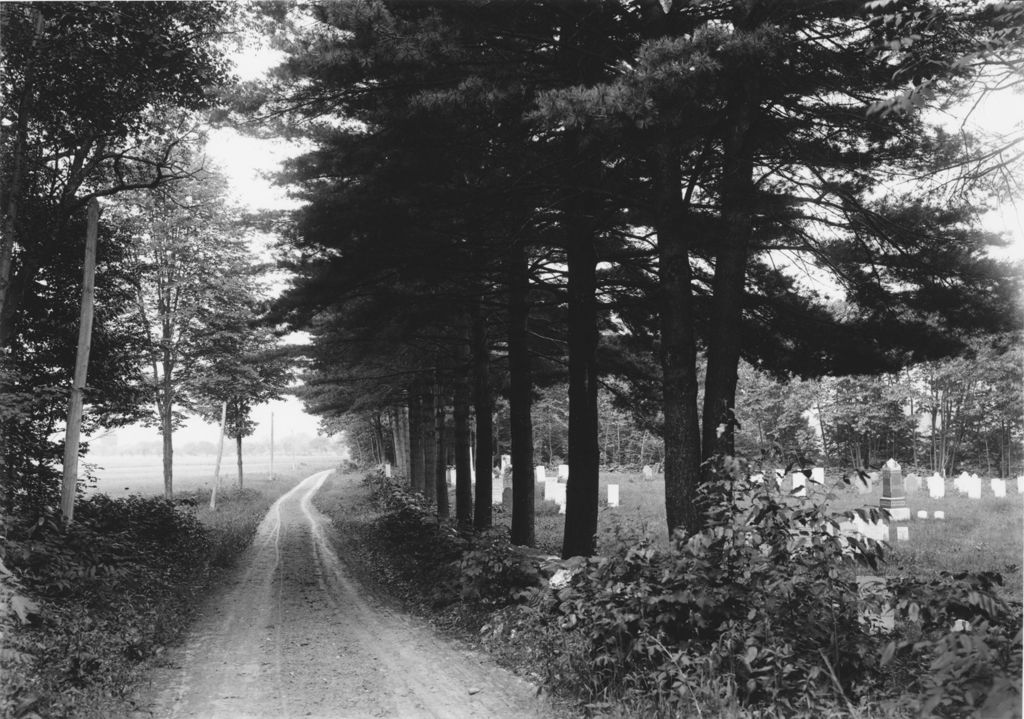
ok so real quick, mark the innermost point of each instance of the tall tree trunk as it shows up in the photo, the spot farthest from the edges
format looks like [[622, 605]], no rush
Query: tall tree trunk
[[520, 399], [238, 458], [416, 469], [583, 484], [678, 347], [484, 409], [167, 431], [440, 469], [16, 178], [428, 426], [463, 478], [737, 198]]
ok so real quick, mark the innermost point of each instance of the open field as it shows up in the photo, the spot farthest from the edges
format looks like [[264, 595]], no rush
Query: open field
[[982, 534], [121, 475]]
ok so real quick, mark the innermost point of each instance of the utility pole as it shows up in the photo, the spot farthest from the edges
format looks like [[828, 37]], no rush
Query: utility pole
[[73, 433], [220, 452]]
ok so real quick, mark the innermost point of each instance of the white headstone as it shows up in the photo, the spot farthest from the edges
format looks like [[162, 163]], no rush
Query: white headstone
[[936, 486], [496, 492], [878, 531], [549, 489], [818, 475], [648, 472], [902, 534], [540, 473], [757, 478], [939, 514], [799, 484], [613, 495], [998, 487], [559, 497], [506, 462], [962, 482], [974, 487], [961, 625], [922, 514], [451, 476], [1020, 485], [912, 483], [387, 470], [563, 471]]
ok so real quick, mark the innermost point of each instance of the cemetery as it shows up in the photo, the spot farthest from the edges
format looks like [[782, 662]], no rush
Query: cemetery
[[672, 353]]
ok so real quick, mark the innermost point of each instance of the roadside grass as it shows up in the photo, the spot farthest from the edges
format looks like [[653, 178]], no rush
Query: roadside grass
[[85, 608]]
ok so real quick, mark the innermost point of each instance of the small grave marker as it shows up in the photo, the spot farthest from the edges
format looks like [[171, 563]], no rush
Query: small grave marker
[[939, 514], [451, 476], [922, 514], [506, 462], [540, 473], [818, 475], [563, 471], [496, 491], [936, 486], [387, 470], [613, 495], [757, 478], [1020, 485], [902, 534], [998, 487], [648, 472]]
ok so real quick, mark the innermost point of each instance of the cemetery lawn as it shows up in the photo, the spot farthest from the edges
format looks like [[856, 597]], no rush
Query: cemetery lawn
[[984, 534]]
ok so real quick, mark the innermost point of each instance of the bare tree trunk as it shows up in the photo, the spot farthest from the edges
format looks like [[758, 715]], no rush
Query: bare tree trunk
[[440, 470], [416, 468], [484, 409], [428, 439], [238, 456], [520, 399], [582, 487], [463, 482]]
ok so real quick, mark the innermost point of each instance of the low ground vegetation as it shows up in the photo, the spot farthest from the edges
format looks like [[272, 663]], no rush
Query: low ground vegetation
[[84, 607], [760, 615]]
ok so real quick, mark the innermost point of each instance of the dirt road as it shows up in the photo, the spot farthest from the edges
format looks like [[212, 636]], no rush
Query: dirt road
[[295, 637]]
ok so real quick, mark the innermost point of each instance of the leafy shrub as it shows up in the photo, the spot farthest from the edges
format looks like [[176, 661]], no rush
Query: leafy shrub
[[112, 588], [492, 573], [762, 610]]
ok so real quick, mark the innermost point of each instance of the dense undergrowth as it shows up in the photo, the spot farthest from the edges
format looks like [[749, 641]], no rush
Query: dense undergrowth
[[84, 606], [759, 615]]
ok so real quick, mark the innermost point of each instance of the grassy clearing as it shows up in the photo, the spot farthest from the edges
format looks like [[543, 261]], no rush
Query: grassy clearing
[[983, 534], [107, 595]]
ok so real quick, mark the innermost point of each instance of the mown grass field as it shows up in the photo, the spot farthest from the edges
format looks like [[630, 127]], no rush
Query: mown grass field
[[121, 475], [982, 534]]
